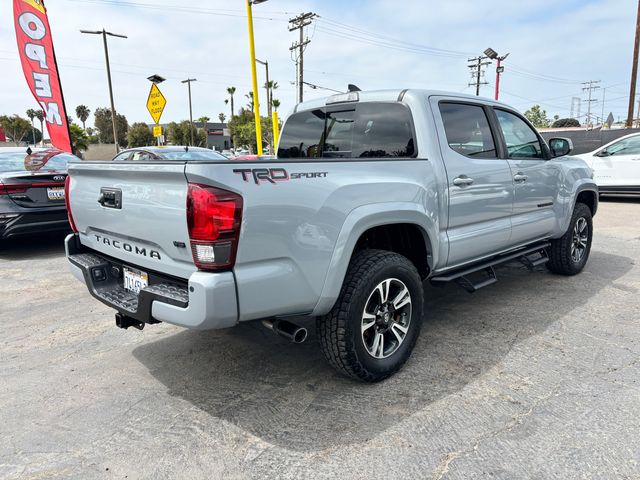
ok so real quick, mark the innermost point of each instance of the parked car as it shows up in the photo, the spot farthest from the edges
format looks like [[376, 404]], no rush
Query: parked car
[[372, 193], [254, 157], [172, 153], [616, 165], [32, 195]]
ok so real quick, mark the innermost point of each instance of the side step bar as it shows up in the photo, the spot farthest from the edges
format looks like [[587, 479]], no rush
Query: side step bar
[[463, 276]]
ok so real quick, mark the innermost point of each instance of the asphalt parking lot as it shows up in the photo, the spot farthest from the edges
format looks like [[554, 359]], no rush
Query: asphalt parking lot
[[534, 377]]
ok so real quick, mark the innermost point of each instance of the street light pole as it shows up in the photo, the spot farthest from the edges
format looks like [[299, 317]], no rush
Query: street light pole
[[188, 82], [104, 34], [254, 75], [493, 55], [266, 66]]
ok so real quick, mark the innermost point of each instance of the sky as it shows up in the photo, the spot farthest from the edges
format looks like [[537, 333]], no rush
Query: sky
[[375, 44]]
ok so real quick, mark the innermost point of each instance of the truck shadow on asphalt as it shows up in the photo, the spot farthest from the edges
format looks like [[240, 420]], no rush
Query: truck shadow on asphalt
[[33, 247], [287, 394]]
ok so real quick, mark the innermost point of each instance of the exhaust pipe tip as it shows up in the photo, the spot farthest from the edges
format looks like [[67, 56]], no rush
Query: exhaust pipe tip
[[286, 329]]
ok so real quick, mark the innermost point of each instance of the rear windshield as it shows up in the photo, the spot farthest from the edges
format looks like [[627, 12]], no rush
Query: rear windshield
[[365, 130], [36, 162]]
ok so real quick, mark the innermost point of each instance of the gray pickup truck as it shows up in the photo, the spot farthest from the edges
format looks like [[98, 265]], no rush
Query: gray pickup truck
[[372, 193]]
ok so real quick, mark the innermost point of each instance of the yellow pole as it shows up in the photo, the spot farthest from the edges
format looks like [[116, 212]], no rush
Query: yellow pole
[[254, 75], [276, 131]]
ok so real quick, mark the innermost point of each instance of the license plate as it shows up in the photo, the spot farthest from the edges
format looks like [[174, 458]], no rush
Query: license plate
[[55, 193], [135, 280]]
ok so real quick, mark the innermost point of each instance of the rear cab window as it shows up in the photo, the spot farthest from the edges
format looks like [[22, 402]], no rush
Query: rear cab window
[[364, 130]]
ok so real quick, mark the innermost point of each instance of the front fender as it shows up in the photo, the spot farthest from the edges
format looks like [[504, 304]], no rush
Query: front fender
[[359, 221], [577, 187]]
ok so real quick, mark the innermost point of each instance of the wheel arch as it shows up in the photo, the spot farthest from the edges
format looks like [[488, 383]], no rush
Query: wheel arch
[[374, 226]]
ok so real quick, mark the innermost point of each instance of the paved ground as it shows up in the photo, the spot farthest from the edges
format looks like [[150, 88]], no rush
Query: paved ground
[[534, 377]]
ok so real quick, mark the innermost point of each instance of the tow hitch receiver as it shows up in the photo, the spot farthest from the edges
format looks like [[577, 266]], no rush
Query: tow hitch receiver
[[125, 322]]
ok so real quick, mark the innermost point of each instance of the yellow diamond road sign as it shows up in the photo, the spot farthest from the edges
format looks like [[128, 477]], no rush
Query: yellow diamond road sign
[[156, 103]]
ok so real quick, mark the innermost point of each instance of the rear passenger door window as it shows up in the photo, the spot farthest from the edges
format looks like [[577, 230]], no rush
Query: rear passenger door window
[[521, 140], [467, 129]]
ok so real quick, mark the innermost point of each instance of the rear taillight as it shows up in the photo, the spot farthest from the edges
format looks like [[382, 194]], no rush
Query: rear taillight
[[67, 202], [11, 189], [213, 216]]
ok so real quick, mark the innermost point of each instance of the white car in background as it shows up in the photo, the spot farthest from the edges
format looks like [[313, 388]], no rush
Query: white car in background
[[616, 165]]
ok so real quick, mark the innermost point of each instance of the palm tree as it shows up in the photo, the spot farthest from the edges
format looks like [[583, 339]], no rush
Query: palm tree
[[276, 104], [40, 116], [271, 85], [250, 104], [221, 117], [204, 121], [231, 91], [82, 112], [31, 113]]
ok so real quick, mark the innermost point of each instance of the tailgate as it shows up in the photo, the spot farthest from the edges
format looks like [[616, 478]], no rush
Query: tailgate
[[134, 212]]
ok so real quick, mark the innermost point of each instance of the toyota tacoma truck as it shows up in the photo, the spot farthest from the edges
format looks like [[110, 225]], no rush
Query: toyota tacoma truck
[[371, 194]]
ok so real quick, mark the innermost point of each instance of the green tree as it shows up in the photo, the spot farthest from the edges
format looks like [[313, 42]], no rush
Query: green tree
[[179, 134], [79, 139], [31, 113], [537, 117], [105, 129], [139, 135], [243, 130], [82, 112], [40, 116], [565, 122], [16, 128], [276, 104], [222, 117], [204, 120], [231, 91], [35, 135]]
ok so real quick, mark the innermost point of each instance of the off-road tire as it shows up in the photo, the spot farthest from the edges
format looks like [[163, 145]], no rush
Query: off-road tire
[[339, 331], [560, 260]]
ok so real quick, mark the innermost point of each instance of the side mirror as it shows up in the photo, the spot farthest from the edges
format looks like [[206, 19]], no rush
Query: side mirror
[[560, 146], [603, 153]]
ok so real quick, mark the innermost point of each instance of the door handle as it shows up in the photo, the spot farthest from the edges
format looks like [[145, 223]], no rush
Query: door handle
[[520, 177], [462, 181]]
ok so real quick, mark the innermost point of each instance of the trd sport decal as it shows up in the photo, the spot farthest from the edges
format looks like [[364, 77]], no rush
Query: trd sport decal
[[273, 175]]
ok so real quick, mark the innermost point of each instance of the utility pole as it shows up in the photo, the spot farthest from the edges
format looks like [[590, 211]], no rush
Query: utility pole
[[298, 23], [590, 87], [634, 70], [188, 82], [476, 66], [104, 34]]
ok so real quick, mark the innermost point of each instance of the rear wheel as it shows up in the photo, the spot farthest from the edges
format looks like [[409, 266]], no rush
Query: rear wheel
[[569, 254], [372, 329]]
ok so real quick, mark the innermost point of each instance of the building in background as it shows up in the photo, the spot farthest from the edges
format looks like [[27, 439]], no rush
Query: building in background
[[218, 136]]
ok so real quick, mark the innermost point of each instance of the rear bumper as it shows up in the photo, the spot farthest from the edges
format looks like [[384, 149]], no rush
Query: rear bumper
[[206, 301], [31, 223]]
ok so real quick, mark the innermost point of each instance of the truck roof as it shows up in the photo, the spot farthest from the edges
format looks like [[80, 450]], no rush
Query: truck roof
[[390, 95]]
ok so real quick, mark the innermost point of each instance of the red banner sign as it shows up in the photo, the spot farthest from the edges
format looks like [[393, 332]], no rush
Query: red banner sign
[[39, 65]]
